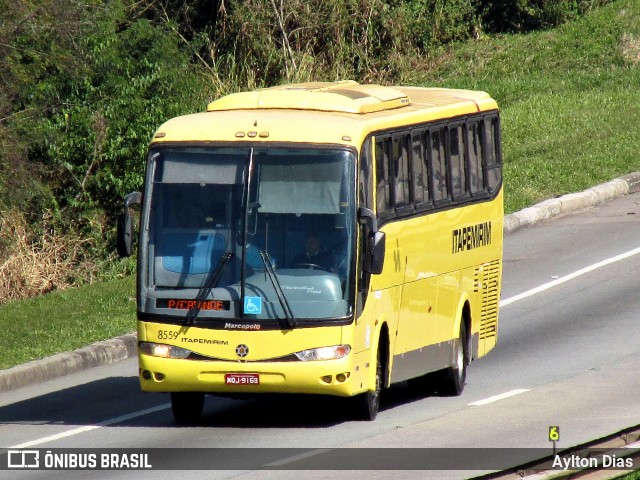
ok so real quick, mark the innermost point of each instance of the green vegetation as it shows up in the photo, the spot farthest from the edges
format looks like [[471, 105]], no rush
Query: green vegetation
[[65, 320], [630, 476], [567, 98], [84, 85]]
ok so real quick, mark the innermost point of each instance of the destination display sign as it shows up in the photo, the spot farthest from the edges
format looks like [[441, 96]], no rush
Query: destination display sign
[[186, 304]]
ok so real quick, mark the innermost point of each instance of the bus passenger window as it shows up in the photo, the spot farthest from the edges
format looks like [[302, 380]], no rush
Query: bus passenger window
[[458, 170], [439, 165], [383, 197], [474, 135], [420, 172], [400, 158], [494, 169]]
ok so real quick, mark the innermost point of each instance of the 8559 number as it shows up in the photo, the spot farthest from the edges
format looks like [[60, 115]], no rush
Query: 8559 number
[[167, 335]]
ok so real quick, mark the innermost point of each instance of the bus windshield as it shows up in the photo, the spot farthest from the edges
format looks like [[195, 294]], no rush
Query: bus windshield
[[249, 233]]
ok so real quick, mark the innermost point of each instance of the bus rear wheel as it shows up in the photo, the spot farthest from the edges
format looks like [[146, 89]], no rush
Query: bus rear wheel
[[454, 377], [187, 406]]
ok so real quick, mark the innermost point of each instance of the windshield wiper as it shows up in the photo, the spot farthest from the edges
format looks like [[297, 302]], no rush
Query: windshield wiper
[[211, 283], [290, 319]]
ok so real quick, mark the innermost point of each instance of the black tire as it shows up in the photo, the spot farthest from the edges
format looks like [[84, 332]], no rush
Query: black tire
[[454, 377], [368, 403], [187, 406]]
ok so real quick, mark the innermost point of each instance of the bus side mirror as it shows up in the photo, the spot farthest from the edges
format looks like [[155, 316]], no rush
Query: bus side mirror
[[375, 242], [375, 253], [124, 238]]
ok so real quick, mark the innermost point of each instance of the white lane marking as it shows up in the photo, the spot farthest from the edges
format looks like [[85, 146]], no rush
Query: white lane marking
[[546, 286], [88, 428], [497, 398], [571, 276]]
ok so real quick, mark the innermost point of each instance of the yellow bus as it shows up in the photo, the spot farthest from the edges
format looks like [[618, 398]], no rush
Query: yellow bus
[[318, 238]]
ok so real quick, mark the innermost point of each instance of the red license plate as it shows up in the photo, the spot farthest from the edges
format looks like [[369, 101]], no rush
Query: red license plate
[[242, 379]]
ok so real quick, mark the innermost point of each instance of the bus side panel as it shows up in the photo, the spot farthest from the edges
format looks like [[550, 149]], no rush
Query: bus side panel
[[485, 307], [443, 259], [422, 321], [415, 351], [378, 313], [487, 283], [448, 301]]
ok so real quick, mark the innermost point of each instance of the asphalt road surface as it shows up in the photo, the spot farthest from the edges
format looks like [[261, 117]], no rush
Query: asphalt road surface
[[568, 355]]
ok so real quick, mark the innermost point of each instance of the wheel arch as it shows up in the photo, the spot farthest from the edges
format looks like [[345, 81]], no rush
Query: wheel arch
[[464, 315], [385, 347]]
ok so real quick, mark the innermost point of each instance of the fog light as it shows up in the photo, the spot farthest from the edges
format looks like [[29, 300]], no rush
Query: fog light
[[326, 379], [146, 375]]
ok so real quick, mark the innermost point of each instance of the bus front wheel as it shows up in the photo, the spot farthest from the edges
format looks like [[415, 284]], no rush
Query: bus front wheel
[[187, 406], [368, 403]]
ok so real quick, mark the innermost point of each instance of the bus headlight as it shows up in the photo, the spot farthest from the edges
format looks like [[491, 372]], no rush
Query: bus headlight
[[324, 353], [164, 351]]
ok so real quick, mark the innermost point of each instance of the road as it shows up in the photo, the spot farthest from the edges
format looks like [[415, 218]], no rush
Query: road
[[568, 355]]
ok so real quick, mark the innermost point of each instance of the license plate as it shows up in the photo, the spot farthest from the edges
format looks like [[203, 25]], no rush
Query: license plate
[[242, 379]]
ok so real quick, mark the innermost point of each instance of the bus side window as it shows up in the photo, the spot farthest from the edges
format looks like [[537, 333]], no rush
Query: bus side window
[[494, 167], [438, 161], [474, 138], [420, 170], [400, 162], [383, 196], [456, 154], [365, 189]]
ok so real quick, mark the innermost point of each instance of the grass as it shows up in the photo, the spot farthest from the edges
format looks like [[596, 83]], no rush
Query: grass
[[65, 320], [570, 113], [570, 117], [630, 476]]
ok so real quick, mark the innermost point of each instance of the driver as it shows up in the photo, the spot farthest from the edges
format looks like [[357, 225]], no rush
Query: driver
[[314, 254]]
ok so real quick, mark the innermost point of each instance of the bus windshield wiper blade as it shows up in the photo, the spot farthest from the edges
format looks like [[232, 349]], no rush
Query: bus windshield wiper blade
[[266, 259], [211, 283]]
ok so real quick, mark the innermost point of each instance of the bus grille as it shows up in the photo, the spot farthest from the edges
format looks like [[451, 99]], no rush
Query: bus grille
[[486, 281]]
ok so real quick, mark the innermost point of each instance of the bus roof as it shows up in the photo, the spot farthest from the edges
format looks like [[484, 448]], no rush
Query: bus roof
[[321, 112], [346, 96]]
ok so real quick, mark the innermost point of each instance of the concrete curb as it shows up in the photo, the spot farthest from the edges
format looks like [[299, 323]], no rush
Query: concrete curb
[[572, 202], [123, 347], [96, 354]]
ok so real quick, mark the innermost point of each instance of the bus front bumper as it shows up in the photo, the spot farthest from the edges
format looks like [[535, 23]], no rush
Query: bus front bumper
[[343, 377]]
